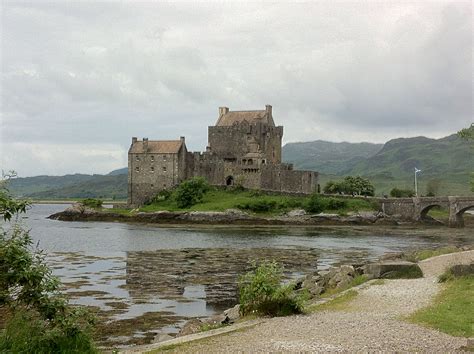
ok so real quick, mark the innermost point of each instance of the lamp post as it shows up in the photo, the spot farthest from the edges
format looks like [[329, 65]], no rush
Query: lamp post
[[416, 182]]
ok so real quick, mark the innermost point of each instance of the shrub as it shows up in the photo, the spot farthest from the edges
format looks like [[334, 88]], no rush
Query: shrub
[[262, 293], [315, 204], [335, 204], [163, 195], [402, 193], [259, 205], [92, 203], [350, 185], [42, 321], [191, 192]]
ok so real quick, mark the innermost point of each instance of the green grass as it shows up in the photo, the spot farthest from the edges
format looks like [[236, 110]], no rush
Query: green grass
[[221, 200], [340, 303], [420, 255], [453, 309]]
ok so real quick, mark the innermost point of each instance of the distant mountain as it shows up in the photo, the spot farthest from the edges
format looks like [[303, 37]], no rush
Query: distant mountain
[[120, 171], [435, 157], [70, 186], [327, 157], [445, 164]]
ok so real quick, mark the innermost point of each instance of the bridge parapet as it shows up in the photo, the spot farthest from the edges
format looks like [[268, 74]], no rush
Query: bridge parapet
[[417, 208]]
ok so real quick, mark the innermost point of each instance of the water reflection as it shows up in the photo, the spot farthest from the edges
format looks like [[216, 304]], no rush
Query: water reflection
[[143, 280]]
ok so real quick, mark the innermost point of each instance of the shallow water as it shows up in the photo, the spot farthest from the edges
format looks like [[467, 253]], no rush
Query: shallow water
[[147, 279]]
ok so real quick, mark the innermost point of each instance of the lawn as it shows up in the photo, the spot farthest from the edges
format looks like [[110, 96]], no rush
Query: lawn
[[453, 309], [274, 204]]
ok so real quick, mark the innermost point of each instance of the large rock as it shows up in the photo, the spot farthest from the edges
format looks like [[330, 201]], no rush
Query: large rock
[[393, 270], [232, 314], [192, 326]]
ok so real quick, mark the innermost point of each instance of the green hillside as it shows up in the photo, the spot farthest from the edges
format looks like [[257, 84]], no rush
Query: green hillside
[[327, 157], [445, 164], [71, 187]]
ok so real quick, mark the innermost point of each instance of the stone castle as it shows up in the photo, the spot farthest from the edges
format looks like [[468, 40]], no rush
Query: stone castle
[[244, 148]]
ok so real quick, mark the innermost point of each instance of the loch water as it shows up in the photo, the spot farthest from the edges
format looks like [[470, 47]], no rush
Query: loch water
[[144, 280]]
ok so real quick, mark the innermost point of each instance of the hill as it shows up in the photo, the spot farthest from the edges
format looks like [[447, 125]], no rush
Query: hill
[[327, 157], [445, 163], [70, 187]]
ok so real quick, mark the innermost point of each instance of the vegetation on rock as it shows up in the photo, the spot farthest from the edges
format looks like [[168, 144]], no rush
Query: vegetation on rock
[[262, 292]]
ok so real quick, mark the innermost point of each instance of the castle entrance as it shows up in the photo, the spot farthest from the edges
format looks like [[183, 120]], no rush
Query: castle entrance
[[229, 181]]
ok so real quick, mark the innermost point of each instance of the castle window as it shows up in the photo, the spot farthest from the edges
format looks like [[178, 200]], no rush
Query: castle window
[[264, 162], [137, 158], [152, 158], [137, 169], [152, 185], [152, 169], [164, 168]]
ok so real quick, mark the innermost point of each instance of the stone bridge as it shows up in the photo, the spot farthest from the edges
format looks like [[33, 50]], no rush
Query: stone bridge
[[416, 209]]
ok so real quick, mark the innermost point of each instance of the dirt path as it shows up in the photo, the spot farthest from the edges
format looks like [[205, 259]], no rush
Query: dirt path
[[371, 322]]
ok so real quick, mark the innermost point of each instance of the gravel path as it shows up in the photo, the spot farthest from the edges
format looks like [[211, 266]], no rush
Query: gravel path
[[372, 323]]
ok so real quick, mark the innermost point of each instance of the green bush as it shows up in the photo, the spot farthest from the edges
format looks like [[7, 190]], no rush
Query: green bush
[[42, 321], [191, 192], [316, 204], [335, 204], [165, 194], [262, 293], [27, 332], [259, 205], [402, 193], [350, 185], [92, 203]]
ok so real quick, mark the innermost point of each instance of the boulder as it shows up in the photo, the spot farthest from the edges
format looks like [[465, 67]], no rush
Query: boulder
[[163, 337], [232, 314], [296, 213], [216, 320], [192, 326], [393, 270]]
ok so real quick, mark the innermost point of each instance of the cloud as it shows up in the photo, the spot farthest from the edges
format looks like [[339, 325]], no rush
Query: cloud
[[78, 74]]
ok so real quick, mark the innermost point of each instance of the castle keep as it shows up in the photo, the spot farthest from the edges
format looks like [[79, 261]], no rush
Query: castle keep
[[244, 148]]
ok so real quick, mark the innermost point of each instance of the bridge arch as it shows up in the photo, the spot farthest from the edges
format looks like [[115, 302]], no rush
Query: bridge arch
[[426, 209], [458, 219]]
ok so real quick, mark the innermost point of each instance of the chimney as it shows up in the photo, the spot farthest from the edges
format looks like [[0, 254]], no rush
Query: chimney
[[268, 108], [223, 110], [182, 139], [145, 144], [134, 140]]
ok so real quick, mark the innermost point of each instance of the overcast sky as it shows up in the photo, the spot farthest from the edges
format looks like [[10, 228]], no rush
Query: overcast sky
[[79, 79]]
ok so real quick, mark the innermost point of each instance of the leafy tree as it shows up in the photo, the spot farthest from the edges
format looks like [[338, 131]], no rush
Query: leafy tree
[[191, 192], [351, 185], [468, 134], [8, 205], [402, 193], [39, 317]]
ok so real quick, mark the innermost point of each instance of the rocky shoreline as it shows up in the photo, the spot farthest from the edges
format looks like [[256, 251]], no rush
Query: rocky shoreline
[[78, 212]]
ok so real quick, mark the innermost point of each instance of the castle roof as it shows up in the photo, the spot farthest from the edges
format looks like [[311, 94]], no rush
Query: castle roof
[[156, 146], [229, 118]]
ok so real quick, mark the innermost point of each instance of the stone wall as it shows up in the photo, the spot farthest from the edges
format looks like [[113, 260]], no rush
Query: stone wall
[[150, 173], [233, 142]]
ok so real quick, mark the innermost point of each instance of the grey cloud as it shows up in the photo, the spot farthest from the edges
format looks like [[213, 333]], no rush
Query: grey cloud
[[98, 73]]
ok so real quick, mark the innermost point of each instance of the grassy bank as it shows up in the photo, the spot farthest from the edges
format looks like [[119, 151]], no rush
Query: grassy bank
[[260, 203], [453, 309]]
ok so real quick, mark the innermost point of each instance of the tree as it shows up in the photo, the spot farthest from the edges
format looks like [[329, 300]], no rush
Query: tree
[[191, 192], [351, 185], [402, 193], [39, 317], [468, 134], [8, 205]]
